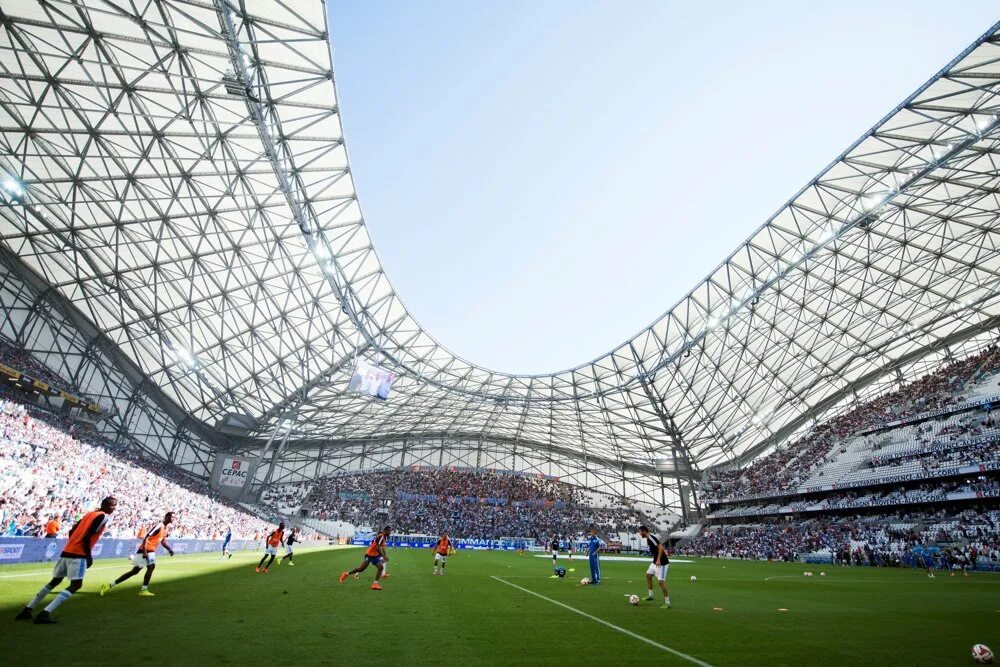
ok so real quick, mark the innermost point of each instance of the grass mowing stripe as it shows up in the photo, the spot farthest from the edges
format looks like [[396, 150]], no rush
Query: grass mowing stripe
[[620, 629]]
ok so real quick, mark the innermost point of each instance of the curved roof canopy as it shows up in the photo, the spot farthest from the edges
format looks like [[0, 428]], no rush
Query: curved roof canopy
[[177, 171]]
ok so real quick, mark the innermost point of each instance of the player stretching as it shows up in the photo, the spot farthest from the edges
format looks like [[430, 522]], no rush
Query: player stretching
[[274, 538], [145, 557], [73, 561], [658, 567], [374, 555], [293, 537], [226, 553], [441, 552], [593, 552]]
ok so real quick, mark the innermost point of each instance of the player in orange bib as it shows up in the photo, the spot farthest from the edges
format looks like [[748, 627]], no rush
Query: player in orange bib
[[76, 557], [441, 551], [145, 556], [274, 539], [374, 555]]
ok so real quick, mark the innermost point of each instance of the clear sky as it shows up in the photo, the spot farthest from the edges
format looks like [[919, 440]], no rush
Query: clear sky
[[543, 179]]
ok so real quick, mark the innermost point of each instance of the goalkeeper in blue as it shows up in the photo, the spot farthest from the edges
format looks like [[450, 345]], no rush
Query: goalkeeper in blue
[[594, 545]]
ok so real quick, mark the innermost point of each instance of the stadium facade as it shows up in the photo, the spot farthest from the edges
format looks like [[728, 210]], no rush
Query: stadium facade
[[182, 238]]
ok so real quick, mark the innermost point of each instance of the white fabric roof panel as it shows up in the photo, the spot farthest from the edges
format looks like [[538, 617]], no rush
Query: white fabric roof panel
[[186, 185]]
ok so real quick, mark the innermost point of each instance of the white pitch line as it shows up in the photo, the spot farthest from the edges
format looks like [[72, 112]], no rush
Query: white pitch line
[[620, 629]]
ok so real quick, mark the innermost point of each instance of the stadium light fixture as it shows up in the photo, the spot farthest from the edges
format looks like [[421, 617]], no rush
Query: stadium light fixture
[[13, 186], [984, 122]]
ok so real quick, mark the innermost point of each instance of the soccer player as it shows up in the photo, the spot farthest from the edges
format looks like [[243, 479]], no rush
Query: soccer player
[[594, 545], [441, 552], [374, 555], [73, 561], [145, 556], [226, 553], [554, 548], [275, 538], [293, 537], [659, 566]]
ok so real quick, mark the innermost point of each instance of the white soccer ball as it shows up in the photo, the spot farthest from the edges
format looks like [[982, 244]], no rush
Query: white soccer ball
[[585, 581], [694, 578], [822, 574], [633, 599], [982, 654]]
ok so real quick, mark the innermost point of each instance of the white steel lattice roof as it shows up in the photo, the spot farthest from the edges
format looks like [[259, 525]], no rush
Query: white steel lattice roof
[[177, 170]]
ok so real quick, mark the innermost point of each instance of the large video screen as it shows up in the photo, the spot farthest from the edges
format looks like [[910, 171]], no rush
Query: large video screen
[[371, 380]]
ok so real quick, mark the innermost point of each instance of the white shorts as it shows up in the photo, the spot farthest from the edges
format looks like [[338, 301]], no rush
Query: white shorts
[[72, 568], [288, 549], [439, 557], [270, 551], [555, 554], [658, 571], [144, 560]]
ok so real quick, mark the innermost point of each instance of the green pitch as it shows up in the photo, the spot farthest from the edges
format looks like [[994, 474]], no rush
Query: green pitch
[[501, 608]]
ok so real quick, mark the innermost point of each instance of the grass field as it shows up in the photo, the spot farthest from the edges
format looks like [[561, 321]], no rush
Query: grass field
[[501, 608]]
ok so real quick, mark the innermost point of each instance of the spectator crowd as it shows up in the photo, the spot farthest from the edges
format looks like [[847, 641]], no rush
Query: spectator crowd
[[55, 470], [467, 503], [788, 467]]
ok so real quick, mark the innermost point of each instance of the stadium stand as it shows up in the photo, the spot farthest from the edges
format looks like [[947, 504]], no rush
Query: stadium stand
[[468, 503], [51, 467], [929, 452]]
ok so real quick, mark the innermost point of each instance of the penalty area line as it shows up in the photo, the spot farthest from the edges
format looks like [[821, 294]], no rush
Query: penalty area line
[[620, 629]]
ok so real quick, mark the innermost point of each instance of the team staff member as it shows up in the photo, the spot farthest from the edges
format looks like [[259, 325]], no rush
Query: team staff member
[[659, 566], [73, 562], [594, 545], [52, 528], [145, 556]]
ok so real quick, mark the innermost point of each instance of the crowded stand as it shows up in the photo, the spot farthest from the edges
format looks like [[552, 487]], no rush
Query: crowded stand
[[20, 360], [816, 458], [928, 451], [935, 540], [467, 503], [52, 469]]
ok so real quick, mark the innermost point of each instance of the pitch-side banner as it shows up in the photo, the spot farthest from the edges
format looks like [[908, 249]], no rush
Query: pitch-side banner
[[233, 471]]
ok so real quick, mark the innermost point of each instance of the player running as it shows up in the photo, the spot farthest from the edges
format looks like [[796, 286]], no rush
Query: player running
[[441, 550], [73, 562], [293, 537], [226, 553], [145, 556], [659, 566], [275, 538], [374, 555], [594, 545]]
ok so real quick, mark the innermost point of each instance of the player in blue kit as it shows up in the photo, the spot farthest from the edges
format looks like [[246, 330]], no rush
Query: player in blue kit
[[594, 545], [226, 553]]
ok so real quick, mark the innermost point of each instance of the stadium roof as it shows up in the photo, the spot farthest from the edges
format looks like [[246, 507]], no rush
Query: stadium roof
[[177, 171]]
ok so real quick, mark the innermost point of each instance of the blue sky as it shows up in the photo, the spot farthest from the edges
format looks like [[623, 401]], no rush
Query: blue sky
[[543, 179]]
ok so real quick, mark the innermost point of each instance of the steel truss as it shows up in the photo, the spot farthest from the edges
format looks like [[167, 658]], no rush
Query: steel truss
[[175, 172]]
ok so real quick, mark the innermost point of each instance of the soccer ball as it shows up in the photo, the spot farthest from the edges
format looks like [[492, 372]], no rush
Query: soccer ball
[[585, 581], [633, 599], [694, 578], [822, 574], [982, 654]]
